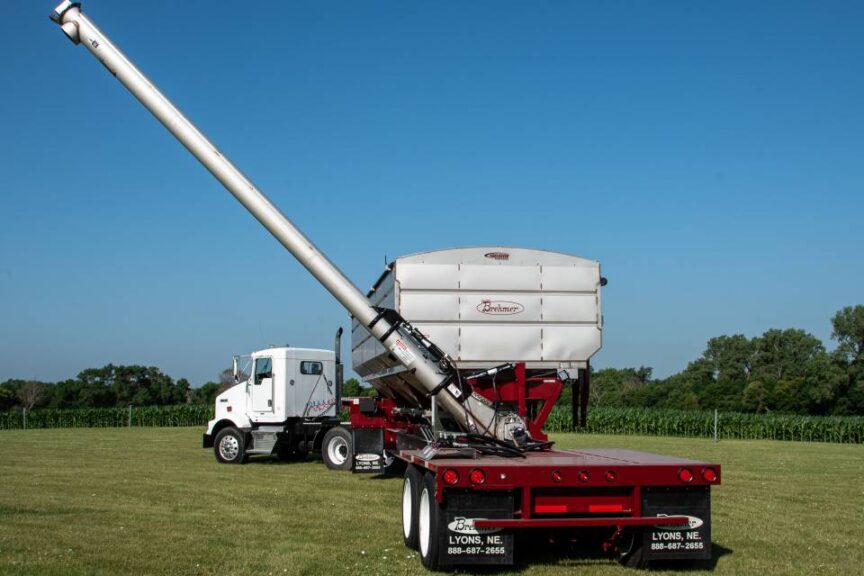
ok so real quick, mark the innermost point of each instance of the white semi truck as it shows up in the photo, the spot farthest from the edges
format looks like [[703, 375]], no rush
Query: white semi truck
[[284, 406], [478, 468], [287, 403]]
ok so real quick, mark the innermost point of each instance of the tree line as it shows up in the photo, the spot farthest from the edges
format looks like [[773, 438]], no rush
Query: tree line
[[783, 371], [109, 386], [118, 386]]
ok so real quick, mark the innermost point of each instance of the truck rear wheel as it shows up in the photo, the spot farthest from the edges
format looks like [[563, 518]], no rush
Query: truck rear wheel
[[429, 519], [337, 450], [410, 494], [230, 446]]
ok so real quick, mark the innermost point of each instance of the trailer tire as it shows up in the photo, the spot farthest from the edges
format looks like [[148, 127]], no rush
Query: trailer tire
[[230, 446], [631, 552], [429, 522], [337, 450], [410, 497]]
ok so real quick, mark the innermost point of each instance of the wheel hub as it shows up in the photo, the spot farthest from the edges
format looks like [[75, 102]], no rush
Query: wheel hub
[[337, 450], [229, 447]]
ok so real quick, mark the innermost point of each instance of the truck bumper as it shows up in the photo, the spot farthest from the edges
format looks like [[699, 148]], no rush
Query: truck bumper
[[207, 441]]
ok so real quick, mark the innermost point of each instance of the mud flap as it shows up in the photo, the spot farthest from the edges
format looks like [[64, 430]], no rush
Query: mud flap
[[368, 450], [461, 543], [685, 542]]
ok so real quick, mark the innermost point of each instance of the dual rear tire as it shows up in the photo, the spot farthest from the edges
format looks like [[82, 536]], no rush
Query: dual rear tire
[[422, 516], [410, 495]]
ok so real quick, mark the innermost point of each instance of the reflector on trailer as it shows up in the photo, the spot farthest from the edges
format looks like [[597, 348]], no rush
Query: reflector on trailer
[[685, 475], [595, 508], [709, 475], [550, 509], [477, 476], [451, 476]]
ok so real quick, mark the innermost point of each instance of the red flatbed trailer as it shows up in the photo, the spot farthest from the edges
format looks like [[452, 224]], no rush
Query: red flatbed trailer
[[651, 507], [642, 506]]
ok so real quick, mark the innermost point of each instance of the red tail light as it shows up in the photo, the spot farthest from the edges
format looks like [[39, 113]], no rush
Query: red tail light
[[610, 475], [584, 476], [451, 476], [709, 475], [556, 476], [685, 475], [477, 476]]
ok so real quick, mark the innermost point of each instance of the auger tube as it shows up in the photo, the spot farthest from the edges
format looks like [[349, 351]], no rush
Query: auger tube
[[469, 411]]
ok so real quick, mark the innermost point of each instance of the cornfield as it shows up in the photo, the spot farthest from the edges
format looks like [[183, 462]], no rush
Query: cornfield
[[637, 421], [700, 424], [180, 415]]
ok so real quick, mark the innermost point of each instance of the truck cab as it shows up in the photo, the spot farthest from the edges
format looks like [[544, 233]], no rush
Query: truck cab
[[282, 400]]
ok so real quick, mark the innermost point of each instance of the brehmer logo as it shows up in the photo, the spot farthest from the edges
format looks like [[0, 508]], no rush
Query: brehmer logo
[[499, 307], [498, 255], [367, 457], [462, 525], [692, 523]]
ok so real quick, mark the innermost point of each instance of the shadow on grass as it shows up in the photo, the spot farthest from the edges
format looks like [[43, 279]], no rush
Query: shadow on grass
[[531, 552], [717, 552], [273, 460]]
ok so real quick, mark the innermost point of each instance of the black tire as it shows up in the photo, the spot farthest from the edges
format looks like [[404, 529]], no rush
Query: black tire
[[430, 519], [631, 551], [337, 449], [410, 496], [230, 446], [393, 466]]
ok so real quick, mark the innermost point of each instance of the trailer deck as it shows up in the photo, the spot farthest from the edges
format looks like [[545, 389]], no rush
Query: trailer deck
[[596, 468], [583, 458]]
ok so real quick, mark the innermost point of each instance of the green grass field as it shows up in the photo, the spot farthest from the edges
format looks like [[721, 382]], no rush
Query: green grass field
[[150, 501]]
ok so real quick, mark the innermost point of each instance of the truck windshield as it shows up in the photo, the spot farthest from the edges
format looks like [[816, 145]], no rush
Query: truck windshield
[[244, 367]]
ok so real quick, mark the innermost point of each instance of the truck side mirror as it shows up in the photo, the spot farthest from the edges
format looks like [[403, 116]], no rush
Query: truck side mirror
[[234, 370]]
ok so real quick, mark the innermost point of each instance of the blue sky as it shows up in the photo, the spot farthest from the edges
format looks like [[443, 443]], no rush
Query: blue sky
[[708, 154]]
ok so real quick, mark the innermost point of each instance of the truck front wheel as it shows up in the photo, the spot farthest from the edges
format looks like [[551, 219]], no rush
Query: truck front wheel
[[230, 446], [336, 449]]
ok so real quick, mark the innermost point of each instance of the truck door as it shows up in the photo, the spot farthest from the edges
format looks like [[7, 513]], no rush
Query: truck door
[[262, 385]]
